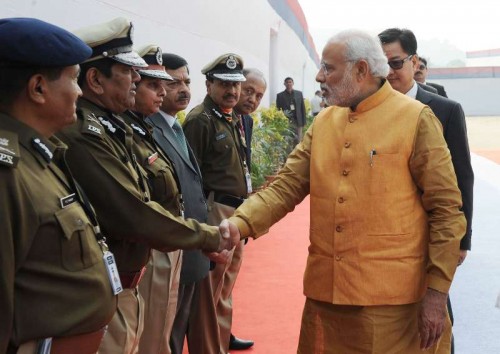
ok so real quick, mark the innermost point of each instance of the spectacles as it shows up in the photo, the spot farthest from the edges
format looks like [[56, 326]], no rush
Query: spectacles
[[327, 69], [422, 67], [398, 63]]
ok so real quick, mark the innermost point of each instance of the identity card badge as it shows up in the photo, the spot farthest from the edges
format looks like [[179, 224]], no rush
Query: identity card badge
[[248, 178], [114, 277]]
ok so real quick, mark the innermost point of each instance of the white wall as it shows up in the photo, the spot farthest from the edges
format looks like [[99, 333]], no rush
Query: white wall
[[198, 30], [478, 96]]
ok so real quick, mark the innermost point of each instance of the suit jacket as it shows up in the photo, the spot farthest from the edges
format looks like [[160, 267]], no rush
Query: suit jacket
[[428, 88], [195, 265], [440, 89], [248, 128], [283, 102], [452, 118]]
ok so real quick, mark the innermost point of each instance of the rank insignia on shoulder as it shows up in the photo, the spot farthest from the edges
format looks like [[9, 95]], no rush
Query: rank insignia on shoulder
[[8, 160], [42, 149], [138, 129], [220, 136], [94, 129], [108, 125], [92, 118], [9, 149], [217, 113]]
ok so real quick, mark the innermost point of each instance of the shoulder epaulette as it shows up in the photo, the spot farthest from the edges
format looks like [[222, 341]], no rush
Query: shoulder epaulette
[[138, 129], [9, 149], [91, 124]]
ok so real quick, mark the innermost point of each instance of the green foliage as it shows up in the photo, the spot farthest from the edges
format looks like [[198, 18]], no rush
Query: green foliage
[[309, 115], [272, 140]]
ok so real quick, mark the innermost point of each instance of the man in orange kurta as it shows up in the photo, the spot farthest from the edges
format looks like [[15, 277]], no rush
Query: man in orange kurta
[[385, 212]]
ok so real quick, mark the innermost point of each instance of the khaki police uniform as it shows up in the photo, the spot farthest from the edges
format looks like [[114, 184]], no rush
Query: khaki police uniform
[[160, 284], [54, 289], [218, 146], [54, 283], [106, 165], [103, 160]]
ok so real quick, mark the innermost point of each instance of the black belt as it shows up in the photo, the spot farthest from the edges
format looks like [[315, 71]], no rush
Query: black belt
[[228, 199], [131, 280]]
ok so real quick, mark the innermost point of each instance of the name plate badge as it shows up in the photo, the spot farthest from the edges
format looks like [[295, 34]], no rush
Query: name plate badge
[[67, 200]]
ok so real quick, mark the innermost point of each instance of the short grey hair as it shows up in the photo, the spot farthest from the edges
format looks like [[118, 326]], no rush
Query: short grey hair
[[256, 72], [361, 45]]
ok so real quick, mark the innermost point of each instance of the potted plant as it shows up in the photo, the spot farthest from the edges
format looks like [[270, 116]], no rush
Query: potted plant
[[271, 142]]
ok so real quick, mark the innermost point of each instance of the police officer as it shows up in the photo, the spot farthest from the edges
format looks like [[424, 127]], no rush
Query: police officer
[[195, 295], [160, 284], [103, 158], [212, 129], [54, 288]]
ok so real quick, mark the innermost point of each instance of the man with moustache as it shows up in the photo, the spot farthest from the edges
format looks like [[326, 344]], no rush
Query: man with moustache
[[103, 159], [195, 294], [212, 131], [420, 76], [385, 211], [399, 44]]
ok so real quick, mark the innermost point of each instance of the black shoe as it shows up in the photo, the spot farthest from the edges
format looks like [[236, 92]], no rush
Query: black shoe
[[239, 344]]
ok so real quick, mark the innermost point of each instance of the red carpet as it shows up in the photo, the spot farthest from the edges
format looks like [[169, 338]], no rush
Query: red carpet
[[268, 296]]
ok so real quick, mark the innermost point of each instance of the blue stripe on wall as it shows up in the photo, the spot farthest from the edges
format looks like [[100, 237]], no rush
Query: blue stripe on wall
[[286, 12]]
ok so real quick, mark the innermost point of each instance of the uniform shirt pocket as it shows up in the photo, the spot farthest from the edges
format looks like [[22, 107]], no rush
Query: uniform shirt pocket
[[223, 145], [78, 244]]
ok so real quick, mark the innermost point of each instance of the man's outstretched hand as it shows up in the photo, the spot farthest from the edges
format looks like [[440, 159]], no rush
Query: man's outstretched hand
[[230, 236]]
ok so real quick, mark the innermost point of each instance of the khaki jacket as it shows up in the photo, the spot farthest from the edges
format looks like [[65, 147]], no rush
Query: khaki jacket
[[385, 218]]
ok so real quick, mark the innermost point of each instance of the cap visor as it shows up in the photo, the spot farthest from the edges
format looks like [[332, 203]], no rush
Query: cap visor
[[230, 77], [157, 74], [130, 58]]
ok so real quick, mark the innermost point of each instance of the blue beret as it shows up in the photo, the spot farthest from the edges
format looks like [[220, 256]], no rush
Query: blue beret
[[33, 42]]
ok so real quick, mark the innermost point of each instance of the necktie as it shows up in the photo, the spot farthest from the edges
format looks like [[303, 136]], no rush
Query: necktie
[[181, 139]]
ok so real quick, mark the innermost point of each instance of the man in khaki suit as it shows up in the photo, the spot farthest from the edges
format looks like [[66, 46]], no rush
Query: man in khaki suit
[[385, 211]]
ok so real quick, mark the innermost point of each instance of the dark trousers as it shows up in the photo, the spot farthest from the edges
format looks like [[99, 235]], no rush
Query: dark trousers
[[450, 312]]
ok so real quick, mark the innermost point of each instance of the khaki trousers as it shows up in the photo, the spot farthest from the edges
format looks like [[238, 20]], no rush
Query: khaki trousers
[[341, 329], [159, 289], [222, 280], [203, 331], [125, 328]]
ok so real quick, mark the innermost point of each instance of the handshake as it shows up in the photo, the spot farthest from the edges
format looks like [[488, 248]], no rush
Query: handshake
[[230, 236]]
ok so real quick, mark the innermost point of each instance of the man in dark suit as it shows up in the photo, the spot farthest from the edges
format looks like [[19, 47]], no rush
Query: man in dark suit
[[400, 47], [195, 265], [252, 92], [291, 102], [420, 76]]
